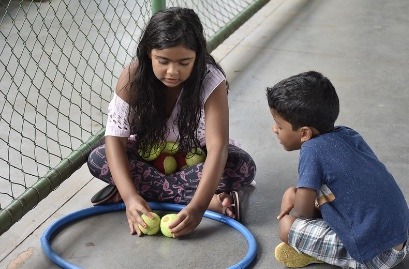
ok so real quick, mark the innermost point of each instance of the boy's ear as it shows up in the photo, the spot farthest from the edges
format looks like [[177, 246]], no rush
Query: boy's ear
[[306, 133]]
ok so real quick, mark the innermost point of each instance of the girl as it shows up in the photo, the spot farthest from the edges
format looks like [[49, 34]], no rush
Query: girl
[[172, 91]]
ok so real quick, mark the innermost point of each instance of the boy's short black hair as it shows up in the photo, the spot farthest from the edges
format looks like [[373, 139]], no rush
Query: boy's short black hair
[[306, 99]]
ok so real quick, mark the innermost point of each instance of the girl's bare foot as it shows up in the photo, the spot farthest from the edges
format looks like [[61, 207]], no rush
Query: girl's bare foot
[[222, 203]]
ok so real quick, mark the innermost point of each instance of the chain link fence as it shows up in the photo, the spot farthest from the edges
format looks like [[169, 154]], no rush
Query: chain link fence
[[59, 62]]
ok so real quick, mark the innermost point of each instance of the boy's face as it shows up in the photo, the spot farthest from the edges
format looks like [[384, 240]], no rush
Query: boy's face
[[291, 140]]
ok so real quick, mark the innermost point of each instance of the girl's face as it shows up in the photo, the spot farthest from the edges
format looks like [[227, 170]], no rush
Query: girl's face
[[172, 66], [291, 140]]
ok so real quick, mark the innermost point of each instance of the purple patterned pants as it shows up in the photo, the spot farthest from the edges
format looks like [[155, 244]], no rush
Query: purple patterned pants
[[180, 186]]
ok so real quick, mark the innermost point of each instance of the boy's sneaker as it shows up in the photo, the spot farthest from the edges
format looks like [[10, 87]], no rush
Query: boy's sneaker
[[291, 258]]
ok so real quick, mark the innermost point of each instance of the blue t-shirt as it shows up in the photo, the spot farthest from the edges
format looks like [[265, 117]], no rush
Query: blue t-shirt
[[358, 197]]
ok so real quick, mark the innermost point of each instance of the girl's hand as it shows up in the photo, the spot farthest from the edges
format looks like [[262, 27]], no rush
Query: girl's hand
[[188, 220], [135, 207]]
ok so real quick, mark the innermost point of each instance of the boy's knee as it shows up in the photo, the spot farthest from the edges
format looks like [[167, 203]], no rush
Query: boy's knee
[[285, 226]]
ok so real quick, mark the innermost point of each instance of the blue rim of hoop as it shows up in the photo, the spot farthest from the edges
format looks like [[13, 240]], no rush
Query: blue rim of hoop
[[96, 210]]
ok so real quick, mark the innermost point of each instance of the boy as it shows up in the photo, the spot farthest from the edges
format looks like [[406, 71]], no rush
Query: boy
[[346, 208]]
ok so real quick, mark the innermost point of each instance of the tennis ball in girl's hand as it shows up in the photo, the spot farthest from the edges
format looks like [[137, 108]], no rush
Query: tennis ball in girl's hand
[[165, 163], [152, 152], [152, 224], [171, 147], [165, 222], [195, 156]]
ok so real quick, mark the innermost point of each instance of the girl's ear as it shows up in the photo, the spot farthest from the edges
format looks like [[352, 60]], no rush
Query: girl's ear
[[306, 133]]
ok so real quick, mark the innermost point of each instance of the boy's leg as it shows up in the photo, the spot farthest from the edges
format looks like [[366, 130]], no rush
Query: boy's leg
[[285, 253], [389, 259], [315, 238], [284, 227], [291, 258]]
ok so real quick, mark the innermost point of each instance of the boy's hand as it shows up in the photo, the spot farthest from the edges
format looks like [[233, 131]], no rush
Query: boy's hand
[[283, 213], [287, 202]]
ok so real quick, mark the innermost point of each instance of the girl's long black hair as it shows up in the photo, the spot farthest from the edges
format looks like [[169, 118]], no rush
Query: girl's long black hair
[[166, 29]]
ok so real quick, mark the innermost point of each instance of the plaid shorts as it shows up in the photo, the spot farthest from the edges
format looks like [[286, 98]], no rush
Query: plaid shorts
[[315, 238]]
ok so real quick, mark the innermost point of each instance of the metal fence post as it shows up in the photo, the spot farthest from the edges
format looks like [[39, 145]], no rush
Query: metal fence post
[[158, 5]]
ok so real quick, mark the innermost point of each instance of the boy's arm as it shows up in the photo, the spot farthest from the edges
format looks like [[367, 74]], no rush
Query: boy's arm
[[304, 204]]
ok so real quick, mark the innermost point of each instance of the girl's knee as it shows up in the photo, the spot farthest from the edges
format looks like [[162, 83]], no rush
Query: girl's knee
[[96, 160], [241, 160], [90, 157]]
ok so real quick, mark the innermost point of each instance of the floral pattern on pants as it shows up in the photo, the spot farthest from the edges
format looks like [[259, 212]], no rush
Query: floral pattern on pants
[[180, 186]]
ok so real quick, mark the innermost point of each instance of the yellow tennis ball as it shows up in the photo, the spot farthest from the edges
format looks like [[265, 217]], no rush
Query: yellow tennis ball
[[152, 224], [195, 156], [152, 152], [165, 222], [171, 147]]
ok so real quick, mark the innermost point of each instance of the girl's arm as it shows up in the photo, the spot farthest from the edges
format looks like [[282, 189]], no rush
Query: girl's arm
[[217, 141], [119, 166]]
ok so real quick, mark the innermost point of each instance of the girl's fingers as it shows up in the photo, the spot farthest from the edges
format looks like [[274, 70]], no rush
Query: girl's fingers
[[131, 227]]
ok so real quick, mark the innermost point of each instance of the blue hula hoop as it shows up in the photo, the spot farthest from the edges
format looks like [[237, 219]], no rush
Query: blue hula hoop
[[95, 210]]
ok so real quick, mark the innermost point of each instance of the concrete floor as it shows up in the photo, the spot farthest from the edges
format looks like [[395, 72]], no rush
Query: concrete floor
[[361, 46]]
